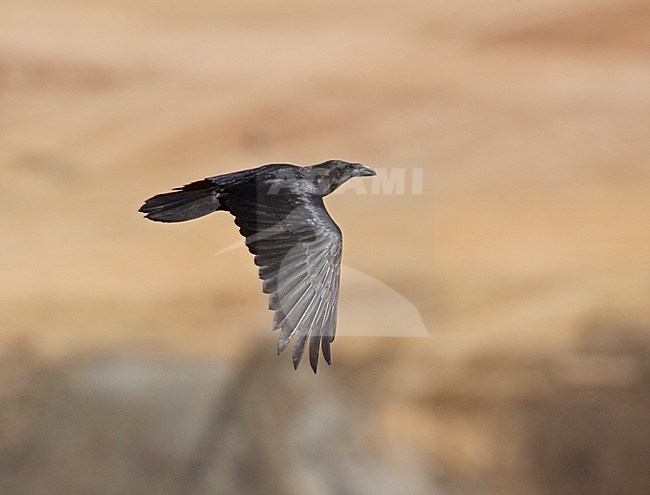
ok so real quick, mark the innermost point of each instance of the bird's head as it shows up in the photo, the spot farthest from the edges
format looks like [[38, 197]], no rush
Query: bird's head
[[332, 174]]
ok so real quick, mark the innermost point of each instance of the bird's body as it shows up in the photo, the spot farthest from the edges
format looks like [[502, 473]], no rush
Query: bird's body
[[297, 245]]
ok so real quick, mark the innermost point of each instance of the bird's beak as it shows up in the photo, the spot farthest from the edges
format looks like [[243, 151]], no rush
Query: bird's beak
[[364, 170]]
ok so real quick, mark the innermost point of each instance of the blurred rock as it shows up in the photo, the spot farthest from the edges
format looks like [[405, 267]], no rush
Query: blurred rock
[[495, 424]]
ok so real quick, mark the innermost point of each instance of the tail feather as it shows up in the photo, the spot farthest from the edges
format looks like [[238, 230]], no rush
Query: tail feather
[[184, 203]]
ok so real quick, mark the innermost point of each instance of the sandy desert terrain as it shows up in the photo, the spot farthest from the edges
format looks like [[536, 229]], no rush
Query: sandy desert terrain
[[495, 326]]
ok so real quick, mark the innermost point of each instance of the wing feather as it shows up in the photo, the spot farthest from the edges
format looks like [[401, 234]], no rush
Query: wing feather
[[297, 247]]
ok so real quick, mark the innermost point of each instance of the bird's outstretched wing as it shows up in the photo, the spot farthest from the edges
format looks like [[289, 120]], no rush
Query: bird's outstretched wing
[[298, 248]]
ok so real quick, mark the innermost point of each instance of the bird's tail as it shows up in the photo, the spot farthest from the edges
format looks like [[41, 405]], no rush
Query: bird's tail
[[183, 203]]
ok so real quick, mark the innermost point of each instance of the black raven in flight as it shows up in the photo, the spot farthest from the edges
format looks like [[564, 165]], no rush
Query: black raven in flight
[[279, 210]]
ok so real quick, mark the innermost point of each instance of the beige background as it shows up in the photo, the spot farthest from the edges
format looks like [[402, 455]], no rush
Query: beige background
[[137, 360]]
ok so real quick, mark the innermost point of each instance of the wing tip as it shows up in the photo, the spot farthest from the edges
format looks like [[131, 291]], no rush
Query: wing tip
[[325, 345], [282, 345], [314, 347]]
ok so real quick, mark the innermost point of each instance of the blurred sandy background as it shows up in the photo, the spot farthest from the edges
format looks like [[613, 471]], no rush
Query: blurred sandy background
[[135, 360]]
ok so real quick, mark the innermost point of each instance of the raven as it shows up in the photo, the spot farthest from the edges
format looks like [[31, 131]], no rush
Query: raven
[[297, 246]]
